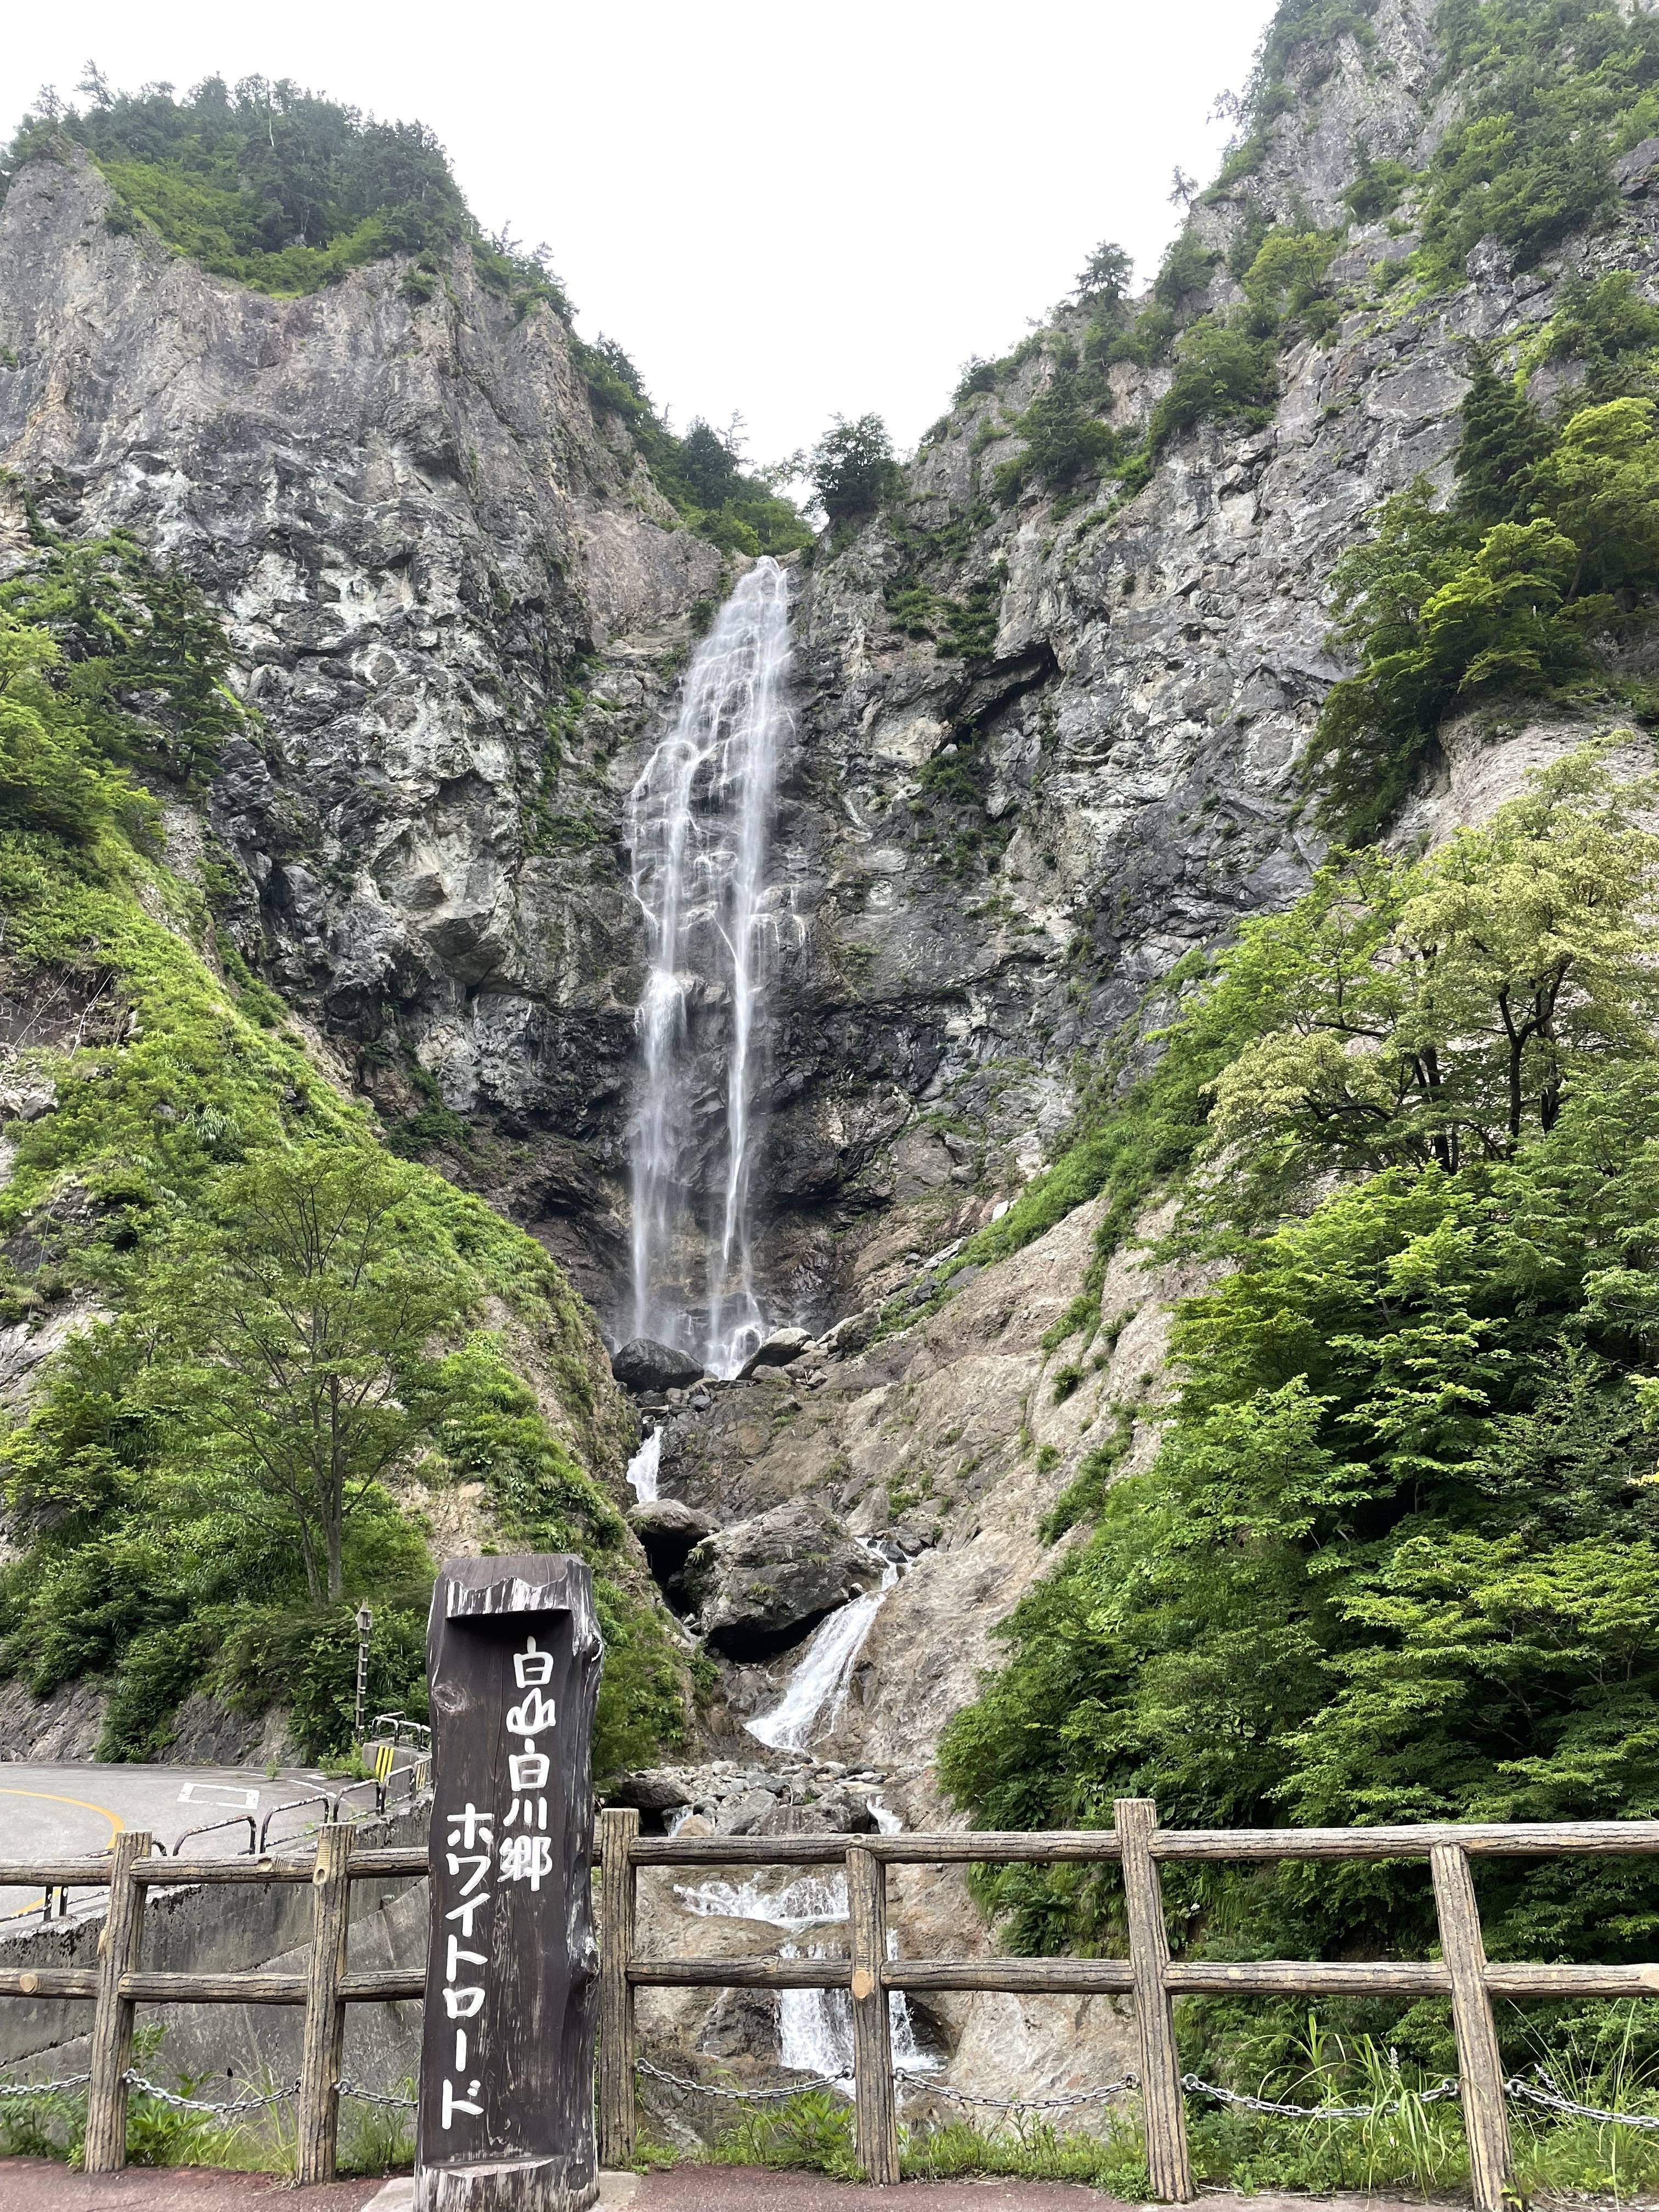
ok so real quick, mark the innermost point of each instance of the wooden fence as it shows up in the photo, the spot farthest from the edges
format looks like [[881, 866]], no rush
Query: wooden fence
[[119, 1983], [1137, 1845]]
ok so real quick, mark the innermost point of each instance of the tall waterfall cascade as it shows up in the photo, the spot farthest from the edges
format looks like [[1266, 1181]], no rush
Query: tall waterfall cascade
[[699, 832]]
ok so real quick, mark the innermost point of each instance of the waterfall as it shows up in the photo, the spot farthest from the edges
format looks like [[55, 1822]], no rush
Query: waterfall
[[817, 1689], [699, 832], [642, 1467]]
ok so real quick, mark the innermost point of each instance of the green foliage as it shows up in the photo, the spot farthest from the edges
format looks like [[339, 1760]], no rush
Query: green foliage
[[295, 1318], [1554, 91], [1103, 283], [1222, 374], [1610, 331], [1065, 439], [111, 663], [702, 473], [1286, 275], [852, 469], [1394, 1558], [1186, 268], [1543, 566], [267, 184], [1377, 189]]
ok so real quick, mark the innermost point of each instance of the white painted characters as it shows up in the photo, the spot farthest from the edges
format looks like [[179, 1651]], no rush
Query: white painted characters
[[528, 1857], [471, 1844]]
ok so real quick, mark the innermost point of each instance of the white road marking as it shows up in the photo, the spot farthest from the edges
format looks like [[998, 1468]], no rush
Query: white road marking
[[219, 1794]]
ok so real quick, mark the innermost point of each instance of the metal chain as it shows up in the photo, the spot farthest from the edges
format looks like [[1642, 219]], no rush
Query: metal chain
[[1283, 2111], [1553, 2101], [182, 2103], [43, 2088], [1064, 2101], [378, 2096], [737, 2096]]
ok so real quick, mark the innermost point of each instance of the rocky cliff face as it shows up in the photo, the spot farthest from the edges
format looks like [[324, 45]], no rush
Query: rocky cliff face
[[462, 608]]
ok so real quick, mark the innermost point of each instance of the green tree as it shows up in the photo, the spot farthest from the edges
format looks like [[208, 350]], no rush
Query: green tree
[[293, 1339], [1221, 371], [1104, 282], [1431, 1012], [852, 469], [1500, 435], [53, 778], [1396, 1556]]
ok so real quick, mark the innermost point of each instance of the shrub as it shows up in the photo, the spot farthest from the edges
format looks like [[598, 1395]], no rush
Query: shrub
[[1222, 373]]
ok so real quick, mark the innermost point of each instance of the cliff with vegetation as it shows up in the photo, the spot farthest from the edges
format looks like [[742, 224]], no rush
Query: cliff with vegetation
[[1208, 1065]]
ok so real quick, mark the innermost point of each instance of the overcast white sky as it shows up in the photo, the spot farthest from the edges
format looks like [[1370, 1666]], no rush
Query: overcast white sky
[[784, 211]]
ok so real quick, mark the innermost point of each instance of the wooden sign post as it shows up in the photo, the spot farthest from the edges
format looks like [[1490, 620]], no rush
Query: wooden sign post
[[507, 2059]]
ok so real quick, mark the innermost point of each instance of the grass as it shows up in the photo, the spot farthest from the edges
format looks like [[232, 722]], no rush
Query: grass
[[51, 2123], [1409, 2140]]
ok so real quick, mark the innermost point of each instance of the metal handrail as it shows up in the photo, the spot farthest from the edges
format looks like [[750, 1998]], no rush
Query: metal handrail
[[212, 1828], [330, 1803], [397, 1723]]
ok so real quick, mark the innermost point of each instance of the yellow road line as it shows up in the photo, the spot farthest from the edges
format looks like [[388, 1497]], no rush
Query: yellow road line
[[50, 1797]]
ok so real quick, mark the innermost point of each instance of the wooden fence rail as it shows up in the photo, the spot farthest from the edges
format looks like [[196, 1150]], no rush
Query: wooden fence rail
[[120, 1982]]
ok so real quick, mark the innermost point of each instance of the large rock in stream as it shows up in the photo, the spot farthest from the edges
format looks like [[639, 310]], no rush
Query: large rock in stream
[[760, 1585], [643, 1363]]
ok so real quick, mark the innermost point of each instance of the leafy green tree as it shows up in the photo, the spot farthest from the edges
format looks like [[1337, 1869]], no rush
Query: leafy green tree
[[1287, 275], [1441, 611], [1064, 437], [141, 664], [1431, 1012], [53, 776], [293, 1341], [1221, 371], [1104, 282], [852, 469]]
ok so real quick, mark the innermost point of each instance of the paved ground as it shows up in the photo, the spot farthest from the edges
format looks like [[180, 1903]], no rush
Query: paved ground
[[76, 1812], [33, 2186]]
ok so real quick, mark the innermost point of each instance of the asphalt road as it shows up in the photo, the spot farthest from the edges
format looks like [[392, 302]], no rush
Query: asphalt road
[[76, 1811]]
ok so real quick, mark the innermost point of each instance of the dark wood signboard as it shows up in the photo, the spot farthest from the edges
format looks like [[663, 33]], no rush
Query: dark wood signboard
[[506, 2060]]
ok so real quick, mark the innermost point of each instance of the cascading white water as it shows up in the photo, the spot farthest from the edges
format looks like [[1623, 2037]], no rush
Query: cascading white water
[[815, 2026], [817, 1691], [699, 831], [642, 1467]]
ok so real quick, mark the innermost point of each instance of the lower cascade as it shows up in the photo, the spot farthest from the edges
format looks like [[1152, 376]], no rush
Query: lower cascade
[[817, 1689], [699, 833], [815, 2026]]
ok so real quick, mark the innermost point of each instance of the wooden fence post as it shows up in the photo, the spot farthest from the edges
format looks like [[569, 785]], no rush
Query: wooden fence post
[[118, 1950], [1163, 2107], [873, 2042], [323, 2045], [1490, 2176], [618, 1825]]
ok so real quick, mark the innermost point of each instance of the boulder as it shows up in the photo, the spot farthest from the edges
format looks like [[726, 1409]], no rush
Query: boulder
[[652, 1790], [840, 1812], [668, 1530], [759, 1586], [779, 1349], [642, 1364]]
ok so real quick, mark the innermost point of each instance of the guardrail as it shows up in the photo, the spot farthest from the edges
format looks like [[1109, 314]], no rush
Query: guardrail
[[119, 1983]]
